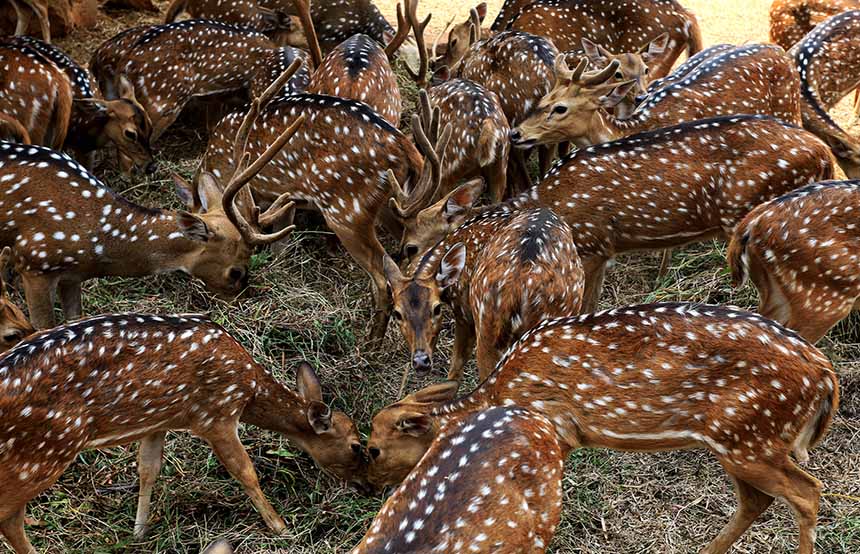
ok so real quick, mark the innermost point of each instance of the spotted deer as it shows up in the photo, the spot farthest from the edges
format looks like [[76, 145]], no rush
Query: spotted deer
[[702, 178], [502, 272], [800, 251], [282, 28], [14, 325], [25, 10], [685, 69], [791, 20], [650, 378], [94, 232], [11, 130], [95, 122], [168, 65], [35, 93], [471, 494], [338, 165], [827, 60], [763, 81], [118, 379]]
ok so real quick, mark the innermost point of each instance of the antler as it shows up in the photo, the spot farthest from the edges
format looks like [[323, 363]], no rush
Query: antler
[[243, 172], [601, 76], [439, 37], [303, 7], [418, 29], [433, 150], [403, 28], [475, 19]]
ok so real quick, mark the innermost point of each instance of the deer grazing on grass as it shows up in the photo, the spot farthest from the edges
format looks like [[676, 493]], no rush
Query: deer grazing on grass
[[470, 493], [282, 28], [65, 226], [117, 379], [95, 122], [791, 20], [648, 378], [25, 10], [800, 251], [14, 326], [701, 179], [501, 271], [827, 60]]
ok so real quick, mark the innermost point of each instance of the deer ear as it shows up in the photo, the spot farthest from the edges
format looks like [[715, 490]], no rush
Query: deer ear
[[193, 227], [126, 89], [461, 199], [208, 191], [655, 48], [308, 383], [616, 94], [183, 190], [482, 10], [392, 272], [219, 547], [436, 394], [591, 51], [319, 417], [414, 424], [451, 266]]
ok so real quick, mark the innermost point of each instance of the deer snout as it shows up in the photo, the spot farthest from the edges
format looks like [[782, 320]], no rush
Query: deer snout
[[518, 140], [421, 361]]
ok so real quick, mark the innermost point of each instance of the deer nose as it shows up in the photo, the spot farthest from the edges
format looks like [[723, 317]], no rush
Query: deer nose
[[516, 135], [421, 361]]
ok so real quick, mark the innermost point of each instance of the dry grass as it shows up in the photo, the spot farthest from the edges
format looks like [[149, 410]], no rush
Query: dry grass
[[312, 304]]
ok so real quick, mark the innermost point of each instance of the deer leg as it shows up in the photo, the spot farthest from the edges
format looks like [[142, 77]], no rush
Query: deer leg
[[518, 172], [39, 291], [70, 299], [13, 529], [464, 342], [751, 504], [229, 450], [148, 466], [594, 268], [496, 177]]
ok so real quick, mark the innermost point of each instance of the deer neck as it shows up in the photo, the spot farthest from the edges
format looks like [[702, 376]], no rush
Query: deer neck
[[86, 130], [605, 127], [275, 407]]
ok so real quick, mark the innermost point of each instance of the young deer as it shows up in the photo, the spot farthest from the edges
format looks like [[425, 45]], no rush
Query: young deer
[[827, 59], [25, 10], [35, 93], [490, 483], [702, 178], [501, 271], [282, 28], [791, 20], [117, 379], [14, 326], [171, 64], [800, 251], [755, 79], [650, 378], [93, 232], [94, 121]]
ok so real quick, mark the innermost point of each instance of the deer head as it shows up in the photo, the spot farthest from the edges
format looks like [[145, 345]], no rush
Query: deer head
[[402, 432], [633, 66], [461, 38], [14, 326], [418, 301], [567, 111]]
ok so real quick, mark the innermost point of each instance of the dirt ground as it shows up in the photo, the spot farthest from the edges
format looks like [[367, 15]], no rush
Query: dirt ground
[[310, 303]]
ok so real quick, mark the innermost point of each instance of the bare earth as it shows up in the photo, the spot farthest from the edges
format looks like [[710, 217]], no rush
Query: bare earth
[[312, 304]]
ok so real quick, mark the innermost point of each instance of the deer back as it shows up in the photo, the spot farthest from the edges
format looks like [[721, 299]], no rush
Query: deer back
[[244, 13], [36, 93], [685, 69], [618, 25], [790, 20], [107, 60], [827, 60], [336, 163], [358, 69], [480, 129], [801, 251], [702, 177], [278, 61], [80, 79], [491, 482], [517, 66]]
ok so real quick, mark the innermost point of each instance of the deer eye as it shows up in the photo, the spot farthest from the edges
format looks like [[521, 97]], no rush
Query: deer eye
[[453, 42], [374, 452], [14, 336], [397, 315], [411, 250], [647, 70], [437, 310], [130, 135], [560, 109], [355, 447]]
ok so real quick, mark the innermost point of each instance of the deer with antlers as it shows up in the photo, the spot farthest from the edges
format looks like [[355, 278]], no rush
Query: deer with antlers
[[502, 272], [94, 232], [14, 325], [800, 251], [827, 61], [95, 122], [471, 494], [118, 379], [649, 378], [791, 20]]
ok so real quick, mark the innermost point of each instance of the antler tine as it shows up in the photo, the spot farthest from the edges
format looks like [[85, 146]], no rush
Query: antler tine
[[602, 75], [403, 28], [473, 34], [418, 30], [580, 69], [303, 7], [276, 211], [439, 37], [399, 197], [424, 195], [425, 111]]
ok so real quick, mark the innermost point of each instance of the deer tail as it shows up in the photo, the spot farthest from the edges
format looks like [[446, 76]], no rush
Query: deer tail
[[738, 256], [488, 142], [11, 129], [817, 426], [174, 9], [62, 114]]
